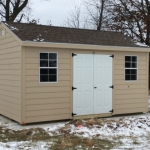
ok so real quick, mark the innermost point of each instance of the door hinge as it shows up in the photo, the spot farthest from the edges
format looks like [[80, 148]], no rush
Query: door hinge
[[73, 114], [73, 88], [111, 111], [74, 54], [112, 56], [111, 87]]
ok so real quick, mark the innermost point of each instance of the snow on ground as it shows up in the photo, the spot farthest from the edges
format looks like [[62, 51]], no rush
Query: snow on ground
[[127, 126], [132, 132], [10, 124], [24, 146]]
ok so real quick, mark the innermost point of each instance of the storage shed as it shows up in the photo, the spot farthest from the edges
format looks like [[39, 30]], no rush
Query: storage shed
[[54, 73]]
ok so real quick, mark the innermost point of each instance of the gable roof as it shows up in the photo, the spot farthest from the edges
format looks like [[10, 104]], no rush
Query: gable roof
[[42, 33]]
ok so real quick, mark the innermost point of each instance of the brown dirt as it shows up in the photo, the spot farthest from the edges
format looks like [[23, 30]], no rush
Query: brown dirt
[[60, 142]]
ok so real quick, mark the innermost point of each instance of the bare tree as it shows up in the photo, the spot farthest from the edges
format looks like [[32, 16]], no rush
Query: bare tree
[[96, 13], [10, 9], [93, 14], [132, 17], [16, 10], [76, 17]]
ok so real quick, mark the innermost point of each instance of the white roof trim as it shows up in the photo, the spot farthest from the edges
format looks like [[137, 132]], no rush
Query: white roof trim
[[84, 46]]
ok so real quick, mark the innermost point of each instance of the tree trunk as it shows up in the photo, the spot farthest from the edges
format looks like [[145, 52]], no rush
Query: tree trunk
[[101, 15], [18, 9], [7, 10], [148, 27]]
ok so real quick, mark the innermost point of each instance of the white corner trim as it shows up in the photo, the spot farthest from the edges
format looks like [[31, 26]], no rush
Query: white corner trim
[[12, 34]]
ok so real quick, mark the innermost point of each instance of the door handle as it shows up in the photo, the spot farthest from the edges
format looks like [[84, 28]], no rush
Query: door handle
[[95, 87]]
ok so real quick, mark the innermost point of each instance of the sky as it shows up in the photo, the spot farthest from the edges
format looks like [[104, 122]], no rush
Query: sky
[[55, 10]]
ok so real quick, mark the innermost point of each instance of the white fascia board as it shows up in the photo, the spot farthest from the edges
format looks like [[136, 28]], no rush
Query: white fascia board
[[84, 46]]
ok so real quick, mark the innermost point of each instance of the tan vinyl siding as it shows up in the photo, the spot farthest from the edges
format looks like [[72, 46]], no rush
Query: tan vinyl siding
[[10, 77], [130, 96], [47, 101]]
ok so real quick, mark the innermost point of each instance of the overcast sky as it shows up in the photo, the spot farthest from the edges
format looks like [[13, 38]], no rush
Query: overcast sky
[[54, 10]]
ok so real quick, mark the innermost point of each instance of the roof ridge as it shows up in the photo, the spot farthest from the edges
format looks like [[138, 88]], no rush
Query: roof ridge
[[60, 27]]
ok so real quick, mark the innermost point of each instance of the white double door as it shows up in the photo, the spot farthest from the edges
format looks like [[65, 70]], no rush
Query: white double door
[[92, 78]]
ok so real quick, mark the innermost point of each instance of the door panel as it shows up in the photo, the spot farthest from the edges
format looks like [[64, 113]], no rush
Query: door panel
[[92, 76], [83, 81], [102, 82]]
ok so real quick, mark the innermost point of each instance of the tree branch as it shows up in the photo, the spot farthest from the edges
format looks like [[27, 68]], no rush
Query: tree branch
[[3, 5]]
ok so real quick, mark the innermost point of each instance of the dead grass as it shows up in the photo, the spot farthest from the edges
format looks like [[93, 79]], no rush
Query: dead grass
[[72, 142], [60, 142], [67, 141], [36, 134]]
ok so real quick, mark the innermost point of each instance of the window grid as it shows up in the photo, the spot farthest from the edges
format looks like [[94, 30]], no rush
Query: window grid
[[131, 70], [48, 68]]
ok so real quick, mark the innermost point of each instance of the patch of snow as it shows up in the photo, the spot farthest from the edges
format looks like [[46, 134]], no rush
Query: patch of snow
[[51, 126], [13, 28], [130, 126], [26, 145], [6, 24], [132, 132], [39, 39], [141, 44]]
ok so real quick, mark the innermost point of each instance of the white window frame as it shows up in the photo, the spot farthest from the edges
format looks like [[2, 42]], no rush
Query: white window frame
[[48, 67], [131, 68]]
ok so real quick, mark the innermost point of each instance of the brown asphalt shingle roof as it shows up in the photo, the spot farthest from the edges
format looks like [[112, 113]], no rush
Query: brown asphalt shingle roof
[[42, 33]]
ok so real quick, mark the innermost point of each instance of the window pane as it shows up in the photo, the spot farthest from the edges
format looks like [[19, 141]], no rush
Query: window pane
[[133, 71], [52, 71], [48, 67], [134, 65], [128, 71], [52, 78], [134, 59], [52, 56], [43, 78], [128, 58], [43, 55], [52, 63], [127, 77], [127, 65], [43, 63], [133, 77], [43, 71]]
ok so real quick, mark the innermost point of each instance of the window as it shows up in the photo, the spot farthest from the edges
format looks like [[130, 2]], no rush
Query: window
[[48, 67], [130, 68]]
